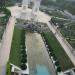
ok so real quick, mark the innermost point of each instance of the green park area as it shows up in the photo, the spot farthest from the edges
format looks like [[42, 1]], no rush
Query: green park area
[[15, 53], [58, 51], [18, 54], [15, 56]]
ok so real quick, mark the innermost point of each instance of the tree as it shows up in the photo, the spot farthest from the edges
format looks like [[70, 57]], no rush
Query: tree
[[54, 57], [24, 55], [23, 66], [58, 69], [52, 54], [2, 3], [24, 59], [57, 63]]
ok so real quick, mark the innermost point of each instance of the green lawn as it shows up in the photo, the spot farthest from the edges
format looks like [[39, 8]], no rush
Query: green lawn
[[62, 57], [15, 54]]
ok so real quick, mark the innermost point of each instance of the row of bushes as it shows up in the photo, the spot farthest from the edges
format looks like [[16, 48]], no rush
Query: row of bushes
[[23, 51], [52, 55]]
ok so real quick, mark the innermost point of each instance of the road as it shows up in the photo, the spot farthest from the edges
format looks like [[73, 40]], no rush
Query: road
[[6, 45]]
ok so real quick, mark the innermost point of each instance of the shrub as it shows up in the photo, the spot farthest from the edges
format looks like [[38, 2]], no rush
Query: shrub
[[22, 46], [23, 66], [55, 58], [23, 51], [24, 59], [57, 63], [52, 54], [58, 69], [24, 55]]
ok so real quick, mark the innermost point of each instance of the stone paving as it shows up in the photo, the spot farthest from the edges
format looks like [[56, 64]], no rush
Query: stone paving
[[6, 45]]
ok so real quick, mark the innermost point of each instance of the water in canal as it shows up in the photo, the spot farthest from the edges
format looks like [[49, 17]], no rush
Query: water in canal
[[42, 70]]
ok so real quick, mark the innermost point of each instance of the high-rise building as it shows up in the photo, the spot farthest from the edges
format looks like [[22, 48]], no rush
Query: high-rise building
[[33, 5]]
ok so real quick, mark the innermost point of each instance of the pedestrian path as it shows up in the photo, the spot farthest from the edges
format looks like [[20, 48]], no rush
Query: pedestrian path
[[6, 45]]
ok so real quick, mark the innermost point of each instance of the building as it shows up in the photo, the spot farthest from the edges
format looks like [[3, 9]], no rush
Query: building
[[25, 4], [30, 9]]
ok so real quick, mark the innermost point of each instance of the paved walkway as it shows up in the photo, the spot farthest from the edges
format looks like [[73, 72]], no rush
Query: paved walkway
[[37, 54], [6, 45]]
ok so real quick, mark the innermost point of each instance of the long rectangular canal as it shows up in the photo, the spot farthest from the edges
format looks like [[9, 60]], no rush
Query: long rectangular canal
[[38, 58]]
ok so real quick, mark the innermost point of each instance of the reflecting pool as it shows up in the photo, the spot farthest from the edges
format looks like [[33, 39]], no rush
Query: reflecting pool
[[42, 70]]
